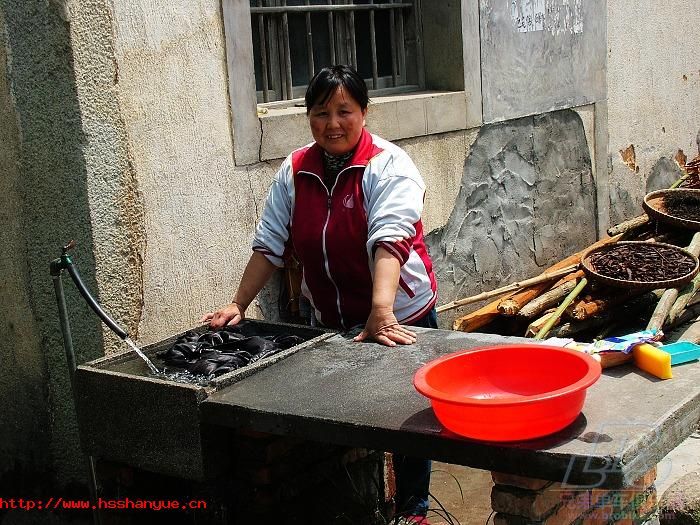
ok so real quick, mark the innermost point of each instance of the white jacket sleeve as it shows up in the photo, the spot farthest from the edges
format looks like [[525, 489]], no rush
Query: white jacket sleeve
[[272, 232], [394, 194]]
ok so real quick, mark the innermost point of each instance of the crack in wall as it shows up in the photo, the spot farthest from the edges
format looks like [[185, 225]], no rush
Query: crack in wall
[[252, 196]]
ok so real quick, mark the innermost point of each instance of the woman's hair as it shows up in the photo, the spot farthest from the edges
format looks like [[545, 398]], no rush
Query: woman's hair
[[326, 81]]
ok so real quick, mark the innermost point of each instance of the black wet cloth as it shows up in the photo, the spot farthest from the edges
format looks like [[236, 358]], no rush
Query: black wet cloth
[[219, 351]]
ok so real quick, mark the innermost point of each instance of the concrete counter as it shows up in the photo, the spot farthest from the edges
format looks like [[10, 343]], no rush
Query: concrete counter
[[361, 394]]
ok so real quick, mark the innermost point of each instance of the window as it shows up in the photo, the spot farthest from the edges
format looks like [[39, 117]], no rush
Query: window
[[292, 39], [423, 69]]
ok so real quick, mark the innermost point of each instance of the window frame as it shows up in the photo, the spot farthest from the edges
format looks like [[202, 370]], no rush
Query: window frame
[[450, 102], [272, 25]]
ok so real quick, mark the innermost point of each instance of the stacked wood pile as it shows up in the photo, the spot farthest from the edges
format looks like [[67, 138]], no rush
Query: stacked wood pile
[[563, 302]]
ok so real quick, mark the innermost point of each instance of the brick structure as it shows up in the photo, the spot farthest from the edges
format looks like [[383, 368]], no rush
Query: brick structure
[[286, 480], [520, 500], [270, 480]]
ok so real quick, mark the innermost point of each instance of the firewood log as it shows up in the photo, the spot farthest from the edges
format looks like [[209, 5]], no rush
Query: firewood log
[[684, 297], [478, 318], [488, 313], [514, 304], [658, 318], [628, 225], [547, 299], [554, 318], [535, 326]]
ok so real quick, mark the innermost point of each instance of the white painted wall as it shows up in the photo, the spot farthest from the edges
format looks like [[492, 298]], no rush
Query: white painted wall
[[200, 210]]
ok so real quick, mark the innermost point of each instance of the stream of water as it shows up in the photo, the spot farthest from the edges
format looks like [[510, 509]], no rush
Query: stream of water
[[177, 375], [184, 376], [136, 349]]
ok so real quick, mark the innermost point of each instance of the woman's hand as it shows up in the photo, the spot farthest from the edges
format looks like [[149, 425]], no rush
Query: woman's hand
[[256, 274], [383, 328], [226, 316], [382, 325]]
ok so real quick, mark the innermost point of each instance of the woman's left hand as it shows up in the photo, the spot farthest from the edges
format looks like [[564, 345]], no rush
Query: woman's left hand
[[383, 328]]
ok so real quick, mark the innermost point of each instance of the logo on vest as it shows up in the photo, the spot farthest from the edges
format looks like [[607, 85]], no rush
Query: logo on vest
[[348, 201]]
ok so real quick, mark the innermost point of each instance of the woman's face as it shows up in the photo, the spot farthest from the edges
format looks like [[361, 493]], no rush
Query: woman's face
[[337, 125]]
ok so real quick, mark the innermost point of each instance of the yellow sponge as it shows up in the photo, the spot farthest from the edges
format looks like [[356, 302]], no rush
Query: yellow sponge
[[653, 360]]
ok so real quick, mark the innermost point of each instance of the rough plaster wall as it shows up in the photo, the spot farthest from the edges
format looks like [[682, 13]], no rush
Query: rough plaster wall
[[54, 208], [22, 383], [526, 185], [115, 202], [653, 93], [199, 210]]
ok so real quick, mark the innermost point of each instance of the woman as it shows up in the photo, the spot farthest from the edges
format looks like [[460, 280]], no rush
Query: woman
[[348, 207]]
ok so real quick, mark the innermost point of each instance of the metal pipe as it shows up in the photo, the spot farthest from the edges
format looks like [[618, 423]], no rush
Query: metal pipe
[[392, 33], [92, 475], [287, 56], [65, 323], [56, 268], [401, 51], [331, 36], [353, 43], [263, 56]]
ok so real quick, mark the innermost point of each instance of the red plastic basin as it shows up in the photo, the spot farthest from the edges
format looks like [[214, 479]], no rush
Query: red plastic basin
[[507, 393]]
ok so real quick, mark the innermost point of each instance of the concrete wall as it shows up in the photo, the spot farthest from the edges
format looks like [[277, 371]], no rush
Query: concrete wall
[[539, 56], [115, 199], [46, 198], [24, 374], [653, 93]]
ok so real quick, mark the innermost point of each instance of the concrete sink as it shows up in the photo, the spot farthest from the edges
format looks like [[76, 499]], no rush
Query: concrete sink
[[129, 416]]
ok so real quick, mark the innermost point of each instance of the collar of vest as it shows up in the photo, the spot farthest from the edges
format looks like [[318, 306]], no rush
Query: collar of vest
[[311, 159]]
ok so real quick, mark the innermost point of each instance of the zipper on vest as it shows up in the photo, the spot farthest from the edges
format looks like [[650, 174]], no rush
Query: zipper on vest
[[325, 260], [323, 238]]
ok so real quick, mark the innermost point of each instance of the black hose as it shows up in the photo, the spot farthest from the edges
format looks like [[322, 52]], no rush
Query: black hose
[[73, 271]]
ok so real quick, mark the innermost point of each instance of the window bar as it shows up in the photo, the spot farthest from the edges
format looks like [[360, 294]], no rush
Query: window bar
[[282, 77], [401, 51], [309, 43], [417, 21], [331, 35], [353, 43], [287, 54], [273, 44], [373, 47], [392, 38], [330, 7], [263, 53], [343, 37]]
